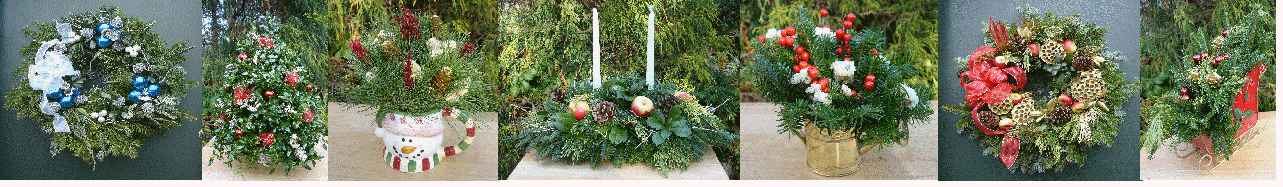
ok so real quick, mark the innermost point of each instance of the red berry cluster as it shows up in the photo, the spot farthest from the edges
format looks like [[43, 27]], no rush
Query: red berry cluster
[[1184, 93], [1214, 61]]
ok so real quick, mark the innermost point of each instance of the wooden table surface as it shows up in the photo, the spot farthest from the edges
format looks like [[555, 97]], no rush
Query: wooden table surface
[[769, 155], [220, 171], [358, 153], [708, 168], [1254, 161]]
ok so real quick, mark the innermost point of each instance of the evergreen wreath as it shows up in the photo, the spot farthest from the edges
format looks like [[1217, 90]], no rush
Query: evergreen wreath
[[100, 83], [623, 122], [1210, 83], [794, 66], [267, 93], [1036, 126]]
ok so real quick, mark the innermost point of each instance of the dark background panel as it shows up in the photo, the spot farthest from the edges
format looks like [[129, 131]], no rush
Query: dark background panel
[[962, 26], [24, 148]]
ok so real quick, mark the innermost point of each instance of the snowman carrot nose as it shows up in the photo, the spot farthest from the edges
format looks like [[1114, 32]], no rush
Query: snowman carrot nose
[[407, 149]]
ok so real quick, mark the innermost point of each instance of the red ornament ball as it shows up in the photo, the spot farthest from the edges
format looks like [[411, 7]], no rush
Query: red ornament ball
[[238, 133], [824, 12], [267, 139], [269, 94]]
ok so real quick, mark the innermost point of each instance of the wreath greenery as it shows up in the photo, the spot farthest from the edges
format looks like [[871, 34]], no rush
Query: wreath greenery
[[1036, 126], [267, 92], [868, 94], [1205, 84], [100, 83], [581, 124]]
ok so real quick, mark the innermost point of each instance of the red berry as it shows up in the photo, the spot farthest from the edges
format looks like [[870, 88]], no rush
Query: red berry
[[1184, 90], [840, 51], [846, 37], [798, 68], [791, 31], [1225, 33], [788, 40], [267, 139], [799, 50], [309, 88], [239, 133], [868, 85], [869, 78], [795, 59], [761, 38], [813, 72], [824, 12], [846, 58], [806, 56], [824, 84], [847, 24], [783, 42], [1184, 97], [269, 94], [243, 56], [850, 17], [803, 63]]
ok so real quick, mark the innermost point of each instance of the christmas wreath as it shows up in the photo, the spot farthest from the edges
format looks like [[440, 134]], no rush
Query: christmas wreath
[[100, 83], [1213, 87], [625, 122], [1036, 126], [413, 80], [267, 93], [838, 81]]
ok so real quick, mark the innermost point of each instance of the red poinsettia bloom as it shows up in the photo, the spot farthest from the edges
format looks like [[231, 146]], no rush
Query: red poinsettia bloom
[[409, 24], [267, 139], [308, 115], [267, 42], [292, 78], [240, 94], [357, 48]]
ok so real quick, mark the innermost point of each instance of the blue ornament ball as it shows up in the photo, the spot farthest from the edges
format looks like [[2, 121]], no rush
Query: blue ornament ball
[[103, 41], [153, 90], [66, 102], [139, 82], [133, 95], [75, 91], [103, 26], [55, 95]]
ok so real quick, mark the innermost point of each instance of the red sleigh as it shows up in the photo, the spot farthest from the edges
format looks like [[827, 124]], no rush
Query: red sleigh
[[1246, 100]]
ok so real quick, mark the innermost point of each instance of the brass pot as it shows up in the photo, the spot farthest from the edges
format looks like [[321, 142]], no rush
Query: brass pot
[[831, 154]]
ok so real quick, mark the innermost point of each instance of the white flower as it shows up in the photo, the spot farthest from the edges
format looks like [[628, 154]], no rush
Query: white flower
[[822, 98], [813, 88], [800, 78], [825, 32], [435, 46], [847, 91], [133, 50], [910, 96], [843, 71], [772, 33]]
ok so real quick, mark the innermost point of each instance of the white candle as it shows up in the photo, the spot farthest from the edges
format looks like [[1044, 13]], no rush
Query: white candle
[[596, 51], [650, 48]]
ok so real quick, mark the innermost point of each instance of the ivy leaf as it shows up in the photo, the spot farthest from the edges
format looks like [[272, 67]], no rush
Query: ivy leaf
[[680, 128], [659, 137]]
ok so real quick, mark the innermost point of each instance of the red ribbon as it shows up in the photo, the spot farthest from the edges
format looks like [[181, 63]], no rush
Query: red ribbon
[[989, 86], [1010, 150]]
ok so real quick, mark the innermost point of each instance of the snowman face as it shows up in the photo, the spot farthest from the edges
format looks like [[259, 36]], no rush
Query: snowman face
[[412, 148]]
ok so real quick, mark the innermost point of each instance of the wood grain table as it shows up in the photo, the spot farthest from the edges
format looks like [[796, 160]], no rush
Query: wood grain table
[[1254, 161], [358, 156], [530, 168], [769, 155], [219, 171]]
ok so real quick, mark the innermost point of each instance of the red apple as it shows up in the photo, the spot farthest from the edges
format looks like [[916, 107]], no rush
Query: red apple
[[1006, 123], [1016, 98], [1079, 107], [580, 109], [1033, 49], [1066, 100], [1070, 47], [642, 106]]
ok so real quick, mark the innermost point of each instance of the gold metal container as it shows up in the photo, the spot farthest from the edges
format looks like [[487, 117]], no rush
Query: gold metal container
[[831, 154]]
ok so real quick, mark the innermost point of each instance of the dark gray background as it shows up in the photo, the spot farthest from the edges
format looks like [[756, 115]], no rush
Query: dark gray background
[[962, 26], [24, 148]]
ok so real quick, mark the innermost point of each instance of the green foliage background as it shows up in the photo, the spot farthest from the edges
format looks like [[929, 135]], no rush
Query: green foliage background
[[547, 43], [909, 26], [1168, 25]]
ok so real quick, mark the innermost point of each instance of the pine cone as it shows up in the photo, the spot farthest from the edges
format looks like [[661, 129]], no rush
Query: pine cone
[[1084, 63], [665, 102], [1060, 115], [988, 119], [604, 112], [557, 94], [1018, 41], [441, 81], [1088, 88]]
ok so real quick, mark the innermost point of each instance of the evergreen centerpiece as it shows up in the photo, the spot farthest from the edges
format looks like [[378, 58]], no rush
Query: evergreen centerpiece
[[1036, 126], [1213, 98], [267, 94], [100, 83], [413, 80], [834, 83]]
